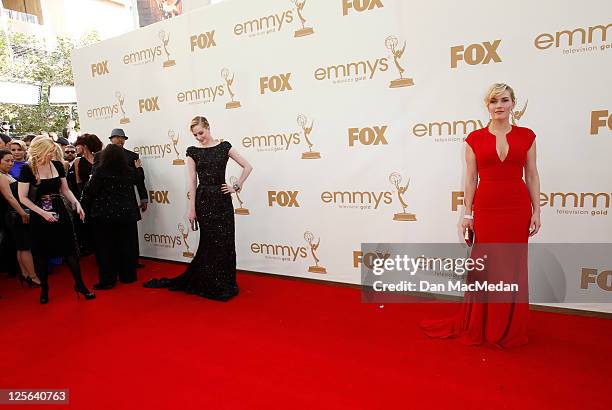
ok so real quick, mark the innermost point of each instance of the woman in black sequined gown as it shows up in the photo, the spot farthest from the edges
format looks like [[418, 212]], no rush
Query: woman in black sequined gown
[[212, 273]]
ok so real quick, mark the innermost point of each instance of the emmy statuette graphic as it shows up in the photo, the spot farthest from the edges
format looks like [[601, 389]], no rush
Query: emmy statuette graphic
[[304, 31], [391, 44], [242, 210], [302, 121], [165, 38], [396, 179], [225, 73], [517, 115], [185, 234], [175, 141], [121, 99], [309, 237]]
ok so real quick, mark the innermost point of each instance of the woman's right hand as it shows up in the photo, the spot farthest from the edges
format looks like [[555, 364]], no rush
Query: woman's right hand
[[192, 216], [467, 223], [48, 216], [25, 218]]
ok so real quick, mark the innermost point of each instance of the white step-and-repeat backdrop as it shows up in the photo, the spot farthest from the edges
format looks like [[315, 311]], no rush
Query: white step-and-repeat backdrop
[[353, 114]]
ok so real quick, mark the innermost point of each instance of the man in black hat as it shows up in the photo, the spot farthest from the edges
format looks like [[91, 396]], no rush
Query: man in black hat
[[118, 137]]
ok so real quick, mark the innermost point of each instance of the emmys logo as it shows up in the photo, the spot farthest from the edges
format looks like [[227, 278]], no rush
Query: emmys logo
[[275, 83], [372, 200], [241, 210], [368, 136], [203, 41], [148, 104], [302, 121], [284, 199], [280, 252], [165, 39], [599, 202], [360, 5], [600, 119], [100, 68], [105, 112], [517, 115], [579, 40], [276, 141], [159, 197], [201, 95], [368, 259], [121, 99], [304, 31], [602, 279], [309, 237], [185, 235], [225, 74], [474, 54], [265, 25], [159, 151], [163, 240]]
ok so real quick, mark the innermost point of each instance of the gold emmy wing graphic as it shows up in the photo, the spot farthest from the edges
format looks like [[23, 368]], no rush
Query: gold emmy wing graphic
[[175, 141], [302, 121], [313, 249], [242, 210], [121, 99], [185, 234], [304, 31], [517, 115], [225, 73], [396, 179], [391, 43], [165, 38]]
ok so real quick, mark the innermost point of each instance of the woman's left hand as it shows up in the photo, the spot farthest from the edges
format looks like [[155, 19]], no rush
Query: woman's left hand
[[226, 189], [534, 224], [79, 210]]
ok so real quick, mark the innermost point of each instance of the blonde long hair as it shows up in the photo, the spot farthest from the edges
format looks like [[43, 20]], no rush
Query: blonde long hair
[[39, 149]]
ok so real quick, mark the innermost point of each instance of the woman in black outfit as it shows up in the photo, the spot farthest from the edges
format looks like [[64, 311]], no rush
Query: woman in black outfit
[[89, 145], [15, 220], [112, 212], [52, 232], [212, 273]]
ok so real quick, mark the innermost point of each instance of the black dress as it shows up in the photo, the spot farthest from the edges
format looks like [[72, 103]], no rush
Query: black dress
[[212, 273], [50, 238], [19, 231]]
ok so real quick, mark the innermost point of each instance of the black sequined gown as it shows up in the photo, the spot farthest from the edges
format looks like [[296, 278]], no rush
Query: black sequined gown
[[212, 273]]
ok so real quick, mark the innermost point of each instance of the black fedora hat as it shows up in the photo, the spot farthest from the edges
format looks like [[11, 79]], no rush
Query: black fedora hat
[[118, 132]]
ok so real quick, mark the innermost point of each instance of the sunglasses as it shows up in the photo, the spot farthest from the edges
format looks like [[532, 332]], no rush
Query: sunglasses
[[70, 152]]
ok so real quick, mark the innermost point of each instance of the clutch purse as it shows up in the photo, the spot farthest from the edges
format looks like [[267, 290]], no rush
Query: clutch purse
[[194, 225], [469, 236]]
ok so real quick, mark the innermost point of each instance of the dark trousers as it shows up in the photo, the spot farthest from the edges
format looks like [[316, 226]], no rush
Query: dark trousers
[[116, 251]]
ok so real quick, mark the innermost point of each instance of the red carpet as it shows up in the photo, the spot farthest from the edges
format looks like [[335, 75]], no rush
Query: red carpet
[[283, 344]]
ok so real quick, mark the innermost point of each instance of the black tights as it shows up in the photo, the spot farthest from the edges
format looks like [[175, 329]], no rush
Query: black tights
[[42, 269]]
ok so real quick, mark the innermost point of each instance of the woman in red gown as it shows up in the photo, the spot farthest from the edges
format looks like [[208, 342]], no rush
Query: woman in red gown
[[503, 210]]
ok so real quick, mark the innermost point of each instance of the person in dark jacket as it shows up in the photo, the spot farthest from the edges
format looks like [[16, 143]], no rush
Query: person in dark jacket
[[118, 137], [111, 207]]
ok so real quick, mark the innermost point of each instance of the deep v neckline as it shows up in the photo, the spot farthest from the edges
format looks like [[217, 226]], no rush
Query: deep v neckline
[[507, 142]]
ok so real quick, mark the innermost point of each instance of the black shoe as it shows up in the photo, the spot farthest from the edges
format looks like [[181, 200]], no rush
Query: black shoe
[[44, 295], [102, 286], [82, 290], [139, 266]]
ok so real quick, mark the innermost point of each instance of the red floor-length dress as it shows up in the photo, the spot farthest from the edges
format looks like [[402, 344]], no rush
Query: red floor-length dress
[[502, 214]]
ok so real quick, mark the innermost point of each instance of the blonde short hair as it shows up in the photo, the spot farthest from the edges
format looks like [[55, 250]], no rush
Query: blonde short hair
[[496, 90]]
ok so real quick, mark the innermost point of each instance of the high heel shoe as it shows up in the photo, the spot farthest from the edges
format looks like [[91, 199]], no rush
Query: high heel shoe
[[85, 292], [21, 279], [44, 295]]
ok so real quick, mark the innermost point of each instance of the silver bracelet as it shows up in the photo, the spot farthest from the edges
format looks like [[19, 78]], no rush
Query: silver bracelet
[[468, 216]]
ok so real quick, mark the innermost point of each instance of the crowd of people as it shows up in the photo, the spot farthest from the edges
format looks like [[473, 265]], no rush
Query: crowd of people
[[60, 201]]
